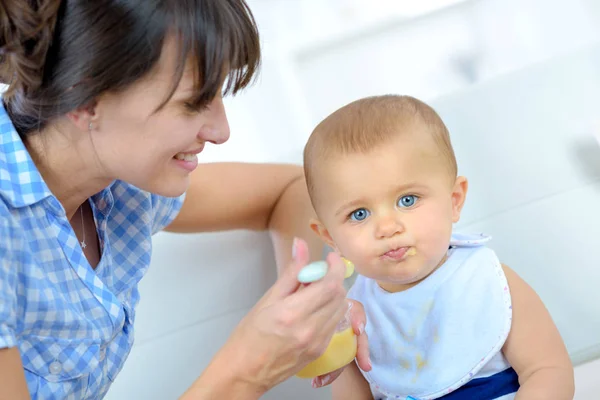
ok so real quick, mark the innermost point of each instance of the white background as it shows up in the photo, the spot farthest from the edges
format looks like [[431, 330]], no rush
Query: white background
[[518, 83]]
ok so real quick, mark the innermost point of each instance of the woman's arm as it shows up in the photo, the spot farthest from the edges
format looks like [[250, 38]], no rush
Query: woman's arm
[[289, 327], [12, 379], [222, 380], [226, 196], [534, 347]]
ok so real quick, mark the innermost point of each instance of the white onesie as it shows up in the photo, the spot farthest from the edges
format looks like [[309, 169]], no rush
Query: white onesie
[[443, 337]]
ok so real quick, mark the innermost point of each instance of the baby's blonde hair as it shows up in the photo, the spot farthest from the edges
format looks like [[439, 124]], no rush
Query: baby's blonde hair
[[365, 124]]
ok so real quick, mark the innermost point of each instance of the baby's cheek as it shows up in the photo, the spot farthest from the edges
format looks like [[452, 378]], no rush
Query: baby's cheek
[[357, 251], [434, 231]]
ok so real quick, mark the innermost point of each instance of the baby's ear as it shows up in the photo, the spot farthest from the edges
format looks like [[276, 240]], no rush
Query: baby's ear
[[318, 227], [459, 195]]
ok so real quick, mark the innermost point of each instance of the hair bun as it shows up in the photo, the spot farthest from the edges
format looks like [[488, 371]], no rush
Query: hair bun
[[26, 32]]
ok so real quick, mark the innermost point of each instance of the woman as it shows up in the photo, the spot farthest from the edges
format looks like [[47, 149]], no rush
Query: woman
[[107, 107]]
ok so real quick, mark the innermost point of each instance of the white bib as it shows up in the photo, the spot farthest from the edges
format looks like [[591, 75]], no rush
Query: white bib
[[435, 337]]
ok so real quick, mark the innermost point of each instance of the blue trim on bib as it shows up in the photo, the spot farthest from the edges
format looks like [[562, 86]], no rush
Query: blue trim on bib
[[487, 388]]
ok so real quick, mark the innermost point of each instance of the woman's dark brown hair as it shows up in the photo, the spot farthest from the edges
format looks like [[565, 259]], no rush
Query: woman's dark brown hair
[[59, 55]]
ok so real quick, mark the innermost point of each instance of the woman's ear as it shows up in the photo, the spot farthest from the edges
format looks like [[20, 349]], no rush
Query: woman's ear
[[459, 195], [84, 117]]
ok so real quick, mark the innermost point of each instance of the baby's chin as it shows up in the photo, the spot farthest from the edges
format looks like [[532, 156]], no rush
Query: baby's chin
[[400, 283]]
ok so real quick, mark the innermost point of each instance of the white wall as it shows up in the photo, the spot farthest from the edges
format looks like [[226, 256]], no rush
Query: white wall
[[518, 83], [534, 168]]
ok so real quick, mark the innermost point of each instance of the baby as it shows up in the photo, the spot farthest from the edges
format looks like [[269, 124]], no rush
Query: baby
[[445, 318]]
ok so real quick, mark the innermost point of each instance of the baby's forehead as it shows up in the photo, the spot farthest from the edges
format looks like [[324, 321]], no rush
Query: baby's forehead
[[379, 171], [403, 147]]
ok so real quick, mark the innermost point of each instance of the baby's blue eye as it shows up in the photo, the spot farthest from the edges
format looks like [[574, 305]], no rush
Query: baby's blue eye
[[407, 201], [359, 215]]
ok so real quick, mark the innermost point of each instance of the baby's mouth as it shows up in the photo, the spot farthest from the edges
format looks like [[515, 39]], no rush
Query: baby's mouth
[[396, 254], [400, 253]]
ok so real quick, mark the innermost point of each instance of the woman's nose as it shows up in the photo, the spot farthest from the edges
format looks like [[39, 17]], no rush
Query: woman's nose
[[216, 126]]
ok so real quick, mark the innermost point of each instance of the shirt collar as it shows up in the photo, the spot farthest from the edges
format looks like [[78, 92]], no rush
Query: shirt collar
[[21, 184]]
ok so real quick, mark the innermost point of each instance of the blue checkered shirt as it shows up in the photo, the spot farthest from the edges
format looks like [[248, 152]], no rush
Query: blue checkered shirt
[[73, 325]]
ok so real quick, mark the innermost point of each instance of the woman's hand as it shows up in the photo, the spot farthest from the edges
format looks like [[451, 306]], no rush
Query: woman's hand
[[290, 326]]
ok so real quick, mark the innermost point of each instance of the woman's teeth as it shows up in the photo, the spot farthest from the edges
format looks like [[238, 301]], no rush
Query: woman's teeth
[[186, 156]]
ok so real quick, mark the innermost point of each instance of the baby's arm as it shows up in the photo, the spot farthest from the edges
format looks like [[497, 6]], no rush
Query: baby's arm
[[351, 385], [535, 348]]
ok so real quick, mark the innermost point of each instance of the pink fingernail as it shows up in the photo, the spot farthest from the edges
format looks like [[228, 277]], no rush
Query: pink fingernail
[[361, 328], [316, 382], [325, 380]]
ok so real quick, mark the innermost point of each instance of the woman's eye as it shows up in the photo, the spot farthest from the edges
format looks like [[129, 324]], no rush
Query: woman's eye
[[407, 201], [359, 215], [192, 109]]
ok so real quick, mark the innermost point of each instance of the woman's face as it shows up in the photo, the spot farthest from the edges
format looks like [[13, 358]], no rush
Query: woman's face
[[156, 151]]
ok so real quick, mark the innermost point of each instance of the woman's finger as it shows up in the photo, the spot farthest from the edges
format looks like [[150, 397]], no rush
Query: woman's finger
[[325, 293], [288, 281], [326, 379], [327, 324]]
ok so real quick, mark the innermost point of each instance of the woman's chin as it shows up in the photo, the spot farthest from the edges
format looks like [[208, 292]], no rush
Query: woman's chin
[[173, 188]]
